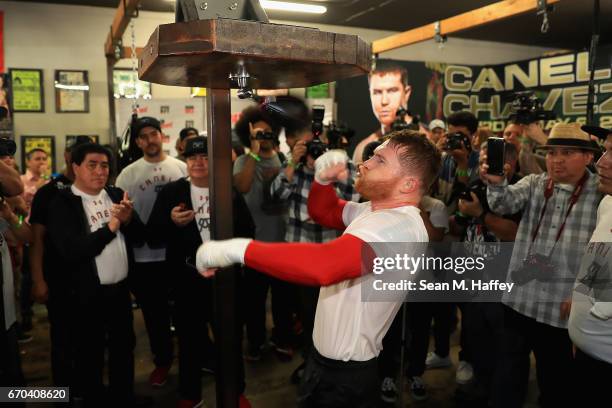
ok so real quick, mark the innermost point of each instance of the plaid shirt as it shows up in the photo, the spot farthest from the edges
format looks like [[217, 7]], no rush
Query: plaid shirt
[[538, 299], [300, 227]]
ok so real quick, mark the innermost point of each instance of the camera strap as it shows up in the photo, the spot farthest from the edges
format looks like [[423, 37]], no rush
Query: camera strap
[[548, 192]]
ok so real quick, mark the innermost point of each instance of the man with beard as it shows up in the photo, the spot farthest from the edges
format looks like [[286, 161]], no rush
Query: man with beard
[[342, 368], [142, 180]]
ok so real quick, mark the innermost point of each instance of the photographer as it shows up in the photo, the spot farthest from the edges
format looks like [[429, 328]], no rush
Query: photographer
[[253, 174], [559, 209], [483, 231], [459, 160]]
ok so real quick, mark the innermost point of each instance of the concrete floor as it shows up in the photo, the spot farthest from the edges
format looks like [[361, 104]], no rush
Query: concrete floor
[[268, 384]]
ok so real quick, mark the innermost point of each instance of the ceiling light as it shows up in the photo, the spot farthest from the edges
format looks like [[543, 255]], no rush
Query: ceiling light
[[297, 7]]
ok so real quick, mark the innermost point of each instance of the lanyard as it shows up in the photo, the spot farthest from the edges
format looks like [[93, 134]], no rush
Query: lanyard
[[573, 199]]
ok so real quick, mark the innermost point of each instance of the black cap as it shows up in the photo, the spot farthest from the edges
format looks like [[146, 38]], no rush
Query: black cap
[[196, 145], [143, 122], [77, 141], [600, 132], [185, 132]]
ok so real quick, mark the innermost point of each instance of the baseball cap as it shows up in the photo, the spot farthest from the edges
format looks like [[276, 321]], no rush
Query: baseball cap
[[143, 122], [196, 145], [437, 123]]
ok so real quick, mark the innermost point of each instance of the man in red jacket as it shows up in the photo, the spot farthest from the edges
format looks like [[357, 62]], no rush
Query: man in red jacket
[[348, 330]]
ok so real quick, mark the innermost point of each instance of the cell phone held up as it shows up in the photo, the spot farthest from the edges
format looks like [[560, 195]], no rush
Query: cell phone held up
[[496, 150]]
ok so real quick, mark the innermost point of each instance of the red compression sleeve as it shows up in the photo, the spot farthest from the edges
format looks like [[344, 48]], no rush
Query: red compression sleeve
[[308, 264], [325, 207]]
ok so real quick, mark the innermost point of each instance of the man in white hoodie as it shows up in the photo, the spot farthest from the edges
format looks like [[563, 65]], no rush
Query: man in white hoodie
[[590, 322]]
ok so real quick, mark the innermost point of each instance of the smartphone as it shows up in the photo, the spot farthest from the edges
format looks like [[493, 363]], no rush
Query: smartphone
[[496, 149]]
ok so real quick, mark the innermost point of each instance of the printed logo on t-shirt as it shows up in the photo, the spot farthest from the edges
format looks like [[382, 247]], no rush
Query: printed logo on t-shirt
[[594, 279], [203, 213], [157, 181]]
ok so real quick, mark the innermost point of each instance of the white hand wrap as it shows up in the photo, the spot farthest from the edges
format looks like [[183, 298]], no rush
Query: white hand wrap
[[219, 254], [327, 160]]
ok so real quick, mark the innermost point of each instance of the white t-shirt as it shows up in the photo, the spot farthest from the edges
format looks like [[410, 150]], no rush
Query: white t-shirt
[[438, 214], [201, 206], [143, 180], [590, 322], [112, 263], [8, 291], [359, 325]]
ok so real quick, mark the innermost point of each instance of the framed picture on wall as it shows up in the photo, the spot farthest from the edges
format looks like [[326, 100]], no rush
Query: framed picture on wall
[[71, 91], [126, 82], [46, 143], [27, 89]]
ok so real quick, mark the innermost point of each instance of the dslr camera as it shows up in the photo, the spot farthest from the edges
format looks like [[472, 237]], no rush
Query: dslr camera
[[464, 194], [457, 140], [526, 108], [400, 122], [338, 135], [316, 147], [7, 147], [534, 267]]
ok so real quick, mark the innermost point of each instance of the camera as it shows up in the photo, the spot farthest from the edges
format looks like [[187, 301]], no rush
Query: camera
[[261, 135], [338, 135], [456, 141], [534, 267], [7, 147], [463, 193], [316, 147], [526, 108], [400, 122]]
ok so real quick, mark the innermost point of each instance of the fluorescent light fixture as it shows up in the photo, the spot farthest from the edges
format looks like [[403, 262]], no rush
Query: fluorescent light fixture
[[72, 87], [297, 7]]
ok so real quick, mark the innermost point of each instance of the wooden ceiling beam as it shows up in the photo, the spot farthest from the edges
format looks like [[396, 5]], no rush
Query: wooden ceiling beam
[[123, 15], [484, 15]]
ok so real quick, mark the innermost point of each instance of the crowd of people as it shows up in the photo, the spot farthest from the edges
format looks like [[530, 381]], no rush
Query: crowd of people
[[84, 246]]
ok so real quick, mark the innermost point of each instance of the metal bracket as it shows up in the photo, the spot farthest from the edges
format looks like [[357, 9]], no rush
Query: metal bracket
[[136, 11], [242, 78], [374, 61], [438, 37], [543, 9]]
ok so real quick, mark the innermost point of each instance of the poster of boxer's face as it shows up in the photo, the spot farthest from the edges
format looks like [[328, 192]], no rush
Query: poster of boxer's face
[[6, 120], [388, 93]]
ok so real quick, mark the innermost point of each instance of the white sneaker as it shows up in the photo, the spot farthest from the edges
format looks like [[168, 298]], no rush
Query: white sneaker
[[435, 361], [465, 373]]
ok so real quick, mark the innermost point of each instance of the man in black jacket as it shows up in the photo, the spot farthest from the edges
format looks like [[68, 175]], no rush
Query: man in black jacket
[[91, 230], [180, 221]]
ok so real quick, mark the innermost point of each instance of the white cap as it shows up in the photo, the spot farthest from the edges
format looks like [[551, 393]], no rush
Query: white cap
[[437, 123]]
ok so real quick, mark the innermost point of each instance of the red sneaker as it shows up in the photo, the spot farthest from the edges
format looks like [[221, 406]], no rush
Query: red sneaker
[[159, 376], [243, 402], [185, 403]]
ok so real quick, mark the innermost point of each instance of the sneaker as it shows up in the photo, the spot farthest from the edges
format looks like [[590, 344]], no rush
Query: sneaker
[[417, 388], [284, 353], [388, 390], [435, 361], [185, 403], [243, 402], [208, 368], [159, 376], [465, 373]]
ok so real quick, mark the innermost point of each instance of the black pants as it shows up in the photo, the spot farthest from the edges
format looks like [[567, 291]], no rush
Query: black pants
[[105, 322], [25, 291], [61, 333], [420, 316], [151, 285], [338, 384], [283, 297], [10, 360], [552, 348], [194, 313], [593, 380], [309, 297]]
